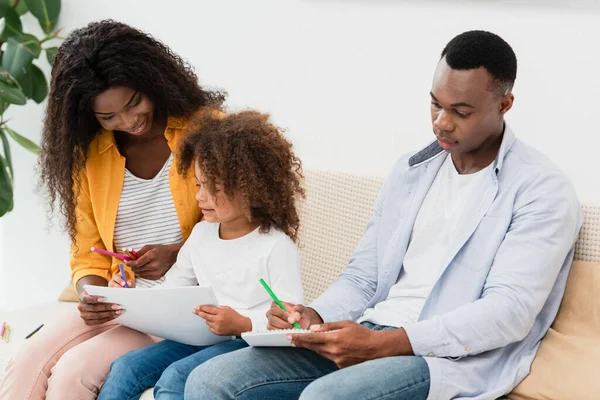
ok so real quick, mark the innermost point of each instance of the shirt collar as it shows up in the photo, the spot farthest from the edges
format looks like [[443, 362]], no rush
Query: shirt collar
[[433, 149]]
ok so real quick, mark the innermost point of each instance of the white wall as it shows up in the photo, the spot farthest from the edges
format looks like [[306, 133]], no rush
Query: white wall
[[33, 256], [350, 82]]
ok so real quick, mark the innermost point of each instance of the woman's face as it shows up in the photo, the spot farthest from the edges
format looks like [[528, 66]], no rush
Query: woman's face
[[124, 109]]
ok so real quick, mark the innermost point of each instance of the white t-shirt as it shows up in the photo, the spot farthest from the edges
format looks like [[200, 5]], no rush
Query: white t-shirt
[[147, 214], [233, 269], [434, 230]]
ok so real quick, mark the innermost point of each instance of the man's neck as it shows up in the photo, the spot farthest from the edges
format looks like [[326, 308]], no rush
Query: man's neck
[[478, 159]]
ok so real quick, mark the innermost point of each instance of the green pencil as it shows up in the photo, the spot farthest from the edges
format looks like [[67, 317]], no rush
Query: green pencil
[[275, 299]]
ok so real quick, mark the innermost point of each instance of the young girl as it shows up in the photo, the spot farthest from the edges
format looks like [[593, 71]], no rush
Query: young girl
[[247, 178]]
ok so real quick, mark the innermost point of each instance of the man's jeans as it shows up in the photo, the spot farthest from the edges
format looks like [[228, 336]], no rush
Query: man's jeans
[[290, 373]]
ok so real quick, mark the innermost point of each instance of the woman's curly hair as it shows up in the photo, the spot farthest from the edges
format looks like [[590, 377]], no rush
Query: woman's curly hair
[[249, 155], [92, 59]]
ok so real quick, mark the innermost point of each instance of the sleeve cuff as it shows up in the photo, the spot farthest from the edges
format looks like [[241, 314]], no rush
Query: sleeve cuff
[[326, 313], [258, 319], [77, 275], [426, 338]]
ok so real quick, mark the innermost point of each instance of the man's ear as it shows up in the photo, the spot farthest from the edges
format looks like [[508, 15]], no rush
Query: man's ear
[[506, 103]]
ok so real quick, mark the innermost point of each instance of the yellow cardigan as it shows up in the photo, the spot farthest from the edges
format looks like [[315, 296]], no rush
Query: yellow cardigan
[[99, 196]]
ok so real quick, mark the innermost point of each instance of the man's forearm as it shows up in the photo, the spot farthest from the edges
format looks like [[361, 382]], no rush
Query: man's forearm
[[391, 343]]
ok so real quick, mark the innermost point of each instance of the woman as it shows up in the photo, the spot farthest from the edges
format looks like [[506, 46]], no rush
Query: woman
[[118, 107]]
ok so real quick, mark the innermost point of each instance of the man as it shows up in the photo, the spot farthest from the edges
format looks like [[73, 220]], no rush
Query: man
[[458, 276]]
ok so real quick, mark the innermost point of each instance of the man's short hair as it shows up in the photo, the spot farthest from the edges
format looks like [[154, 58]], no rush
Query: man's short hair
[[475, 49]]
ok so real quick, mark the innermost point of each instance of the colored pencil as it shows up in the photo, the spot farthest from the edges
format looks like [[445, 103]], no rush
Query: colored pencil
[[6, 336], [110, 253], [34, 331]]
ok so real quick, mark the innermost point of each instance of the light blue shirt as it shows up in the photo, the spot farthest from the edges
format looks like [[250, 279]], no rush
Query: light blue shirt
[[503, 276]]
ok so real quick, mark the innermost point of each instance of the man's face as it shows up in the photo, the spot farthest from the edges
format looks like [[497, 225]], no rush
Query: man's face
[[465, 112]]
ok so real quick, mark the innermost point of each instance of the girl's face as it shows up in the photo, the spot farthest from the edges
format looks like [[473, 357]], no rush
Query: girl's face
[[124, 109], [218, 207]]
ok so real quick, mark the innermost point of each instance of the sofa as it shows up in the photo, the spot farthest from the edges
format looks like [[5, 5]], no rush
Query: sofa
[[333, 219]]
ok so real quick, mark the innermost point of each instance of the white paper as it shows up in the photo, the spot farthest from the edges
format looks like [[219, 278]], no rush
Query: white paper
[[166, 313], [274, 338]]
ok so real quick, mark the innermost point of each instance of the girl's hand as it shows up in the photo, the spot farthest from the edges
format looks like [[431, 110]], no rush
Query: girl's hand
[[117, 281], [224, 321], [155, 260]]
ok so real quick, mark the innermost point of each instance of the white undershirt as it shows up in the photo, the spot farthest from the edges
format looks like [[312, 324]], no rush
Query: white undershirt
[[233, 269], [147, 214], [434, 230]]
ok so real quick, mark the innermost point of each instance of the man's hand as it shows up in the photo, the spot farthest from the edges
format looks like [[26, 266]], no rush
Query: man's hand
[[352, 343], [155, 260], [224, 321], [279, 319]]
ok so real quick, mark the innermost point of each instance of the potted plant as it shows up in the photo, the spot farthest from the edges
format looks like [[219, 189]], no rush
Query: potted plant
[[20, 78]]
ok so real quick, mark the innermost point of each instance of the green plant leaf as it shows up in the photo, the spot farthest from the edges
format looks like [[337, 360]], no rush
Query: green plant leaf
[[6, 189], [3, 106], [11, 82], [8, 78], [40, 86], [11, 23], [20, 52], [7, 155], [12, 95], [23, 141], [50, 54], [46, 12], [21, 7], [33, 83]]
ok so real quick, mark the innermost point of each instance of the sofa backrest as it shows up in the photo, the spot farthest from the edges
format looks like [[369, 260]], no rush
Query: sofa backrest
[[335, 213], [333, 218], [587, 247]]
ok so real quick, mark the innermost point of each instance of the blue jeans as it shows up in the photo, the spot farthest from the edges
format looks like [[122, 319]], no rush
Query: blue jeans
[[164, 365], [291, 373]]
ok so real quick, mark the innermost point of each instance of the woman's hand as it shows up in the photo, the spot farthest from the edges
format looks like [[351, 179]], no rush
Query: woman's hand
[[155, 260], [224, 321], [117, 281], [92, 309]]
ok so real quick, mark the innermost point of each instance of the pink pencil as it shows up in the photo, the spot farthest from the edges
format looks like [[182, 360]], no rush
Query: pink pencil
[[110, 253], [2, 329]]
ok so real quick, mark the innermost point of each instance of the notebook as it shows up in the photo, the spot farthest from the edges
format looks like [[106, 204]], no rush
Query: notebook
[[274, 338], [166, 313]]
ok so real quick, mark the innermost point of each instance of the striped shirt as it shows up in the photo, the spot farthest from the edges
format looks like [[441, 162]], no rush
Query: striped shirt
[[147, 215]]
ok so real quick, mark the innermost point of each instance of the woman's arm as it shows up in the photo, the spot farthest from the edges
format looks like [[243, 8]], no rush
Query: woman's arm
[[88, 267], [85, 262], [93, 280]]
